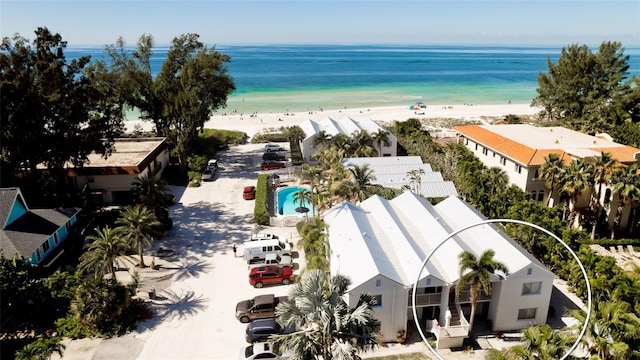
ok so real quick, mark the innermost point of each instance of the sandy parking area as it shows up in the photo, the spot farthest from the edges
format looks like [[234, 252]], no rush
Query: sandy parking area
[[198, 289]]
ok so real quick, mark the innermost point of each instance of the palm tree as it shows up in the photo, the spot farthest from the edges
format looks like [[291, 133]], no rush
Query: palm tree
[[302, 197], [327, 328], [107, 244], [602, 168], [138, 224], [611, 325], [415, 180], [576, 179], [313, 241], [362, 144], [626, 183], [322, 139], [542, 342], [294, 134], [362, 178], [342, 142], [152, 192], [380, 138], [41, 349], [551, 171], [478, 278]]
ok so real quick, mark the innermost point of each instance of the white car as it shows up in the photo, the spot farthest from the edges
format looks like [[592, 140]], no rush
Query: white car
[[261, 351], [273, 147]]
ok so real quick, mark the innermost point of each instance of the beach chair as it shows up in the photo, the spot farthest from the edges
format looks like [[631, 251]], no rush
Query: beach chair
[[620, 249], [632, 251], [612, 249]]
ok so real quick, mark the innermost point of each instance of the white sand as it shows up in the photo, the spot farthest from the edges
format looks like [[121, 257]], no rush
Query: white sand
[[254, 124]]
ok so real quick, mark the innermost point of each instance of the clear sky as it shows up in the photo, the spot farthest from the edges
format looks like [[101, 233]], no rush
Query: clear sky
[[541, 22]]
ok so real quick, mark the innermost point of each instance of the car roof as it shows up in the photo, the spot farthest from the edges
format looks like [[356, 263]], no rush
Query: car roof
[[267, 322], [264, 299], [266, 268], [249, 188]]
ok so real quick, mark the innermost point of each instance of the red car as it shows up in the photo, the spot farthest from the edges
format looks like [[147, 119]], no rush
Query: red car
[[249, 193], [270, 274], [271, 164]]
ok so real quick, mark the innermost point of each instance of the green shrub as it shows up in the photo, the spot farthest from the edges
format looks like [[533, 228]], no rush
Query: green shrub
[[260, 211], [197, 163], [72, 327]]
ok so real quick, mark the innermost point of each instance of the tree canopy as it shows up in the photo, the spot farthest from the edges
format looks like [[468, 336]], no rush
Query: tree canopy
[[589, 91], [52, 110]]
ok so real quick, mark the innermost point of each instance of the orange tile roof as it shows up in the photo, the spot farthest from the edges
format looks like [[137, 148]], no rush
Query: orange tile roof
[[509, 148], [530, 156], [624, 154]]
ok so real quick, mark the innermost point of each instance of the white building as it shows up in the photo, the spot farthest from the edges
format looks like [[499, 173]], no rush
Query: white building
[[380, 246], [393, 172], [348, 127], [520, 149]]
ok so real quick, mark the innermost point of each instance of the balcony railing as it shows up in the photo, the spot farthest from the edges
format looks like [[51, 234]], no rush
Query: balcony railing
[[425, 299], [465, 296]]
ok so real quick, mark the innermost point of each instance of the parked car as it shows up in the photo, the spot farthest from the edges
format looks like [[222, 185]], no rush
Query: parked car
[[207, 174], [262, 350], [212, 164], [260, 307], [270, 259], [273, 147], [269, 275], [269, 155], [271, 165], [261, 329], [249, 193]]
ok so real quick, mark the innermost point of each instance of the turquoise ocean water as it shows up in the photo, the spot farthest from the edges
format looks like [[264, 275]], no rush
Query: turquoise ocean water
[[278, 78]]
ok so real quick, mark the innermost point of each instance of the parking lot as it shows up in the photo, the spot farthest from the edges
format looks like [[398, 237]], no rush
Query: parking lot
[[195, 304]]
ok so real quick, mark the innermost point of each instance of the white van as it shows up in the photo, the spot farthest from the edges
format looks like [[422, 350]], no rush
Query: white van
[[263, 236], [260, 248]]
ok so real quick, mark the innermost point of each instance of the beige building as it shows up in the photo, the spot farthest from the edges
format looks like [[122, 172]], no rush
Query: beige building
[[108, 180], [520, 149]]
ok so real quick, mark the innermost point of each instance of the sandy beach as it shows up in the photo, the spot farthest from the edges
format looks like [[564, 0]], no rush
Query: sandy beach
[[253, 123]]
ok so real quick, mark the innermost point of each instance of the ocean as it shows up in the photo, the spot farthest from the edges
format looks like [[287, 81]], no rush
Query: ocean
[[279, 78]]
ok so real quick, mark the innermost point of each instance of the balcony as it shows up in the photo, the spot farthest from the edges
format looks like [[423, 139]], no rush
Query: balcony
[[425, 299]]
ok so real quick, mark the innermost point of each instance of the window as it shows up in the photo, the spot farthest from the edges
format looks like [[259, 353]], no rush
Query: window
[[55, 238], [378, 300], [428, 281], [46, 246], [541, 195], [38, 256], [433, 290], [503, 160], [476, 146], [531, 288], [529, 271], [529, 313], [378, 282], [534, 195], [536, 174], [485, 151], [518, 169]]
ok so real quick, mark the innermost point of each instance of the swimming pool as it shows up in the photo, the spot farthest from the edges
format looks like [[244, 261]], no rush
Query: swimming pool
[[285, 205]]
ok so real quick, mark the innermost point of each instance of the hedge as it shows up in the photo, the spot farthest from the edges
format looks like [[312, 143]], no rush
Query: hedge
[[261, 212]]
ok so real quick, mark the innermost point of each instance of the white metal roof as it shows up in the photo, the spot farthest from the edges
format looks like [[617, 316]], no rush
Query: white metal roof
[[346, 126], [392, 172], [393, 237]]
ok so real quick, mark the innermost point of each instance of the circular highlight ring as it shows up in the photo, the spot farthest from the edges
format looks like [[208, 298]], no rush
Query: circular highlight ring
[[490, 221]]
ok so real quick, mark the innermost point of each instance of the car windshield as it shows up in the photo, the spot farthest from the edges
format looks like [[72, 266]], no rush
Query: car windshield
[[248, 351], [250, 303]]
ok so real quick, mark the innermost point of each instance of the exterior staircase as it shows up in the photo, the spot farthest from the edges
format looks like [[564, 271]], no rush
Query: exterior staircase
[[455, 316]]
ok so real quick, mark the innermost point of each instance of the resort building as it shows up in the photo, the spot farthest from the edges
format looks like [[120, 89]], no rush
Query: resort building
[[348, 127], [381, 244], [108, 180], [520, 150], [396, 172], [36, 235]]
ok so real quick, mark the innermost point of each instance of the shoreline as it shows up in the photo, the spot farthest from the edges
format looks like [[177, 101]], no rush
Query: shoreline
[[257, 122]]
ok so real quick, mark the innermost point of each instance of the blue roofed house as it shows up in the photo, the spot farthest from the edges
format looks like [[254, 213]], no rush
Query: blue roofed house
[[36, 235]]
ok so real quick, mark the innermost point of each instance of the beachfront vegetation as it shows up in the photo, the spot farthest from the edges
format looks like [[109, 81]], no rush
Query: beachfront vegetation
[[192, 83], [53, 112], [609, 282], [590, 91], [327, 328]]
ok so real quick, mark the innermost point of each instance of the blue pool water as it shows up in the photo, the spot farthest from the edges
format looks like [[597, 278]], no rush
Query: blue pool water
[[285, 198]]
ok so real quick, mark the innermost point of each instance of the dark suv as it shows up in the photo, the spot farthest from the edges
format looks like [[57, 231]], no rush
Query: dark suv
[[261, 329], [273, 156]]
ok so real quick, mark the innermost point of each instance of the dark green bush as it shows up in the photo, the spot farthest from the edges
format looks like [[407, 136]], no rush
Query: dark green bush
[[261, 212]]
